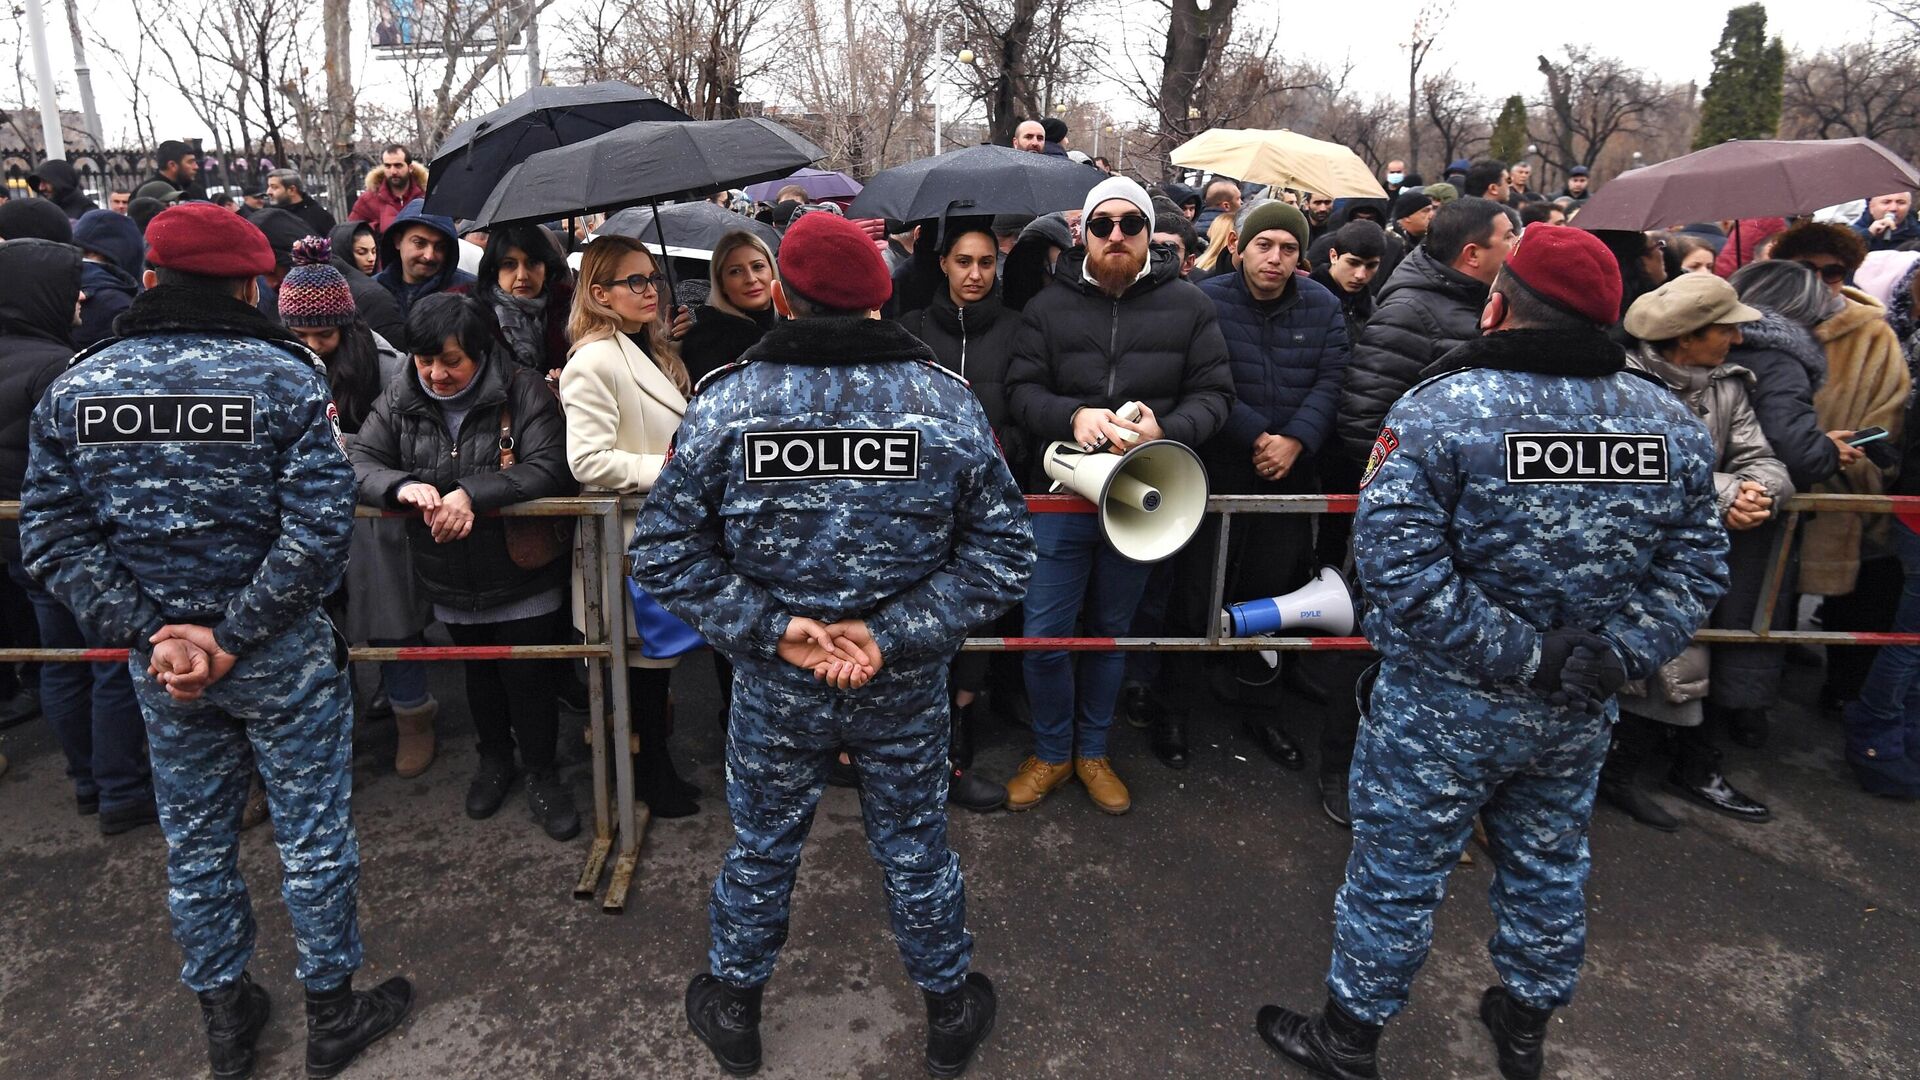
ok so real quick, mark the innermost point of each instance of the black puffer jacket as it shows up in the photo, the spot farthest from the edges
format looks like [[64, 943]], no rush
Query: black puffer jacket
[[1788, 367], [377, 307], [36, 326], [1159, 344], [405, 439], [977, 343], [1421, 315], [718, 338]]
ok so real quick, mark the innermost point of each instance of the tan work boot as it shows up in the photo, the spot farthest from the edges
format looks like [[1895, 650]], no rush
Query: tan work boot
[[1035, 781], [1103, 785], [413, 750]]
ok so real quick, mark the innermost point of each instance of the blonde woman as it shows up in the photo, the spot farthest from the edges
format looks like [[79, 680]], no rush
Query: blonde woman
[[1218, 258], [624, 391], [739, 309]]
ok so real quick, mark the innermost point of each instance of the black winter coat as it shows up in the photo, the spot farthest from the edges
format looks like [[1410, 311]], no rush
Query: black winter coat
[[405, 439], [977, 344], [1788, 367], [110, 293], [36, 324], [1427, 310], [1159, 344], [1287, 360], [718, 339]]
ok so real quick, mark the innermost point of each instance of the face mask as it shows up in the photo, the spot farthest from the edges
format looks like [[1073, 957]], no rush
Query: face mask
[[1394, 177]]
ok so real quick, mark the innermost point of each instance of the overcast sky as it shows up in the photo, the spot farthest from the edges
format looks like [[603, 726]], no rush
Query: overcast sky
[[1490, 43]]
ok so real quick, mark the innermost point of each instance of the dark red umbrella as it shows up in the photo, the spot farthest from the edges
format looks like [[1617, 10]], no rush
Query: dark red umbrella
[[1748, 179]]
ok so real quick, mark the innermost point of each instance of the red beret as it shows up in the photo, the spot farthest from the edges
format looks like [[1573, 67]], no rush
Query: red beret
[[201, 238], [832, 262], [1569, 268]]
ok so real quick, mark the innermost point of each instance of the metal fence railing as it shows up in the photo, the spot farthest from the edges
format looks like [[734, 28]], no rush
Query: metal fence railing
[[601, 558]]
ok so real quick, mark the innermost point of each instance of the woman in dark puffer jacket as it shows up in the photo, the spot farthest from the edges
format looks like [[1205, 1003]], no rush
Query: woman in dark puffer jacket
[[971, 332], [432, 443], [1788, 367]]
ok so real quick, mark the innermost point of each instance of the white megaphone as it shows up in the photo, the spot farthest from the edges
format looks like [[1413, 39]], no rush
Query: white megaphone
[[1151, 499], [1324, 604]]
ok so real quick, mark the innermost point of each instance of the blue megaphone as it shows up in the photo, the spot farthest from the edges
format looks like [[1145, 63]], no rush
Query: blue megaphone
[[1323, 605]]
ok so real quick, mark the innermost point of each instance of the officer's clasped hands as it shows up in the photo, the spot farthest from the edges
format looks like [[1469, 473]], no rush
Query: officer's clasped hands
[[186, 660], [1578, 670], [843, 654]]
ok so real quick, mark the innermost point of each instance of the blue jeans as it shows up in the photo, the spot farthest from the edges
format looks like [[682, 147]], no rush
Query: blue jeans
[[405, 681], [1079, 583], [91, 709], [1886, 717]]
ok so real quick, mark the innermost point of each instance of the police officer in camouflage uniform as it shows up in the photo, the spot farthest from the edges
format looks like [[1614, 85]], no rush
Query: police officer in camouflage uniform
[[1537, 525], [834, 517], [187, 497]]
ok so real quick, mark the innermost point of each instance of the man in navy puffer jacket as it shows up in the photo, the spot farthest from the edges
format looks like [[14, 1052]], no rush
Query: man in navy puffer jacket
[[1287, 347]]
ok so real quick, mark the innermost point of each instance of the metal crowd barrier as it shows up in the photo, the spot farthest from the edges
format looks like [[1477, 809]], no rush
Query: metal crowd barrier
[[601, 550]]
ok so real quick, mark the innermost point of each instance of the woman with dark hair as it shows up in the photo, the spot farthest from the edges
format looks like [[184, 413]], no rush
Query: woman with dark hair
[[382, 607], [971, 334], [1643, 267], [434, 443], [739, 307], [523, 277]]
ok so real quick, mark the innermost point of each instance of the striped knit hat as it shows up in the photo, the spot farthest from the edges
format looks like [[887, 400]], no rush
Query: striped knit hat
[[314, 293]]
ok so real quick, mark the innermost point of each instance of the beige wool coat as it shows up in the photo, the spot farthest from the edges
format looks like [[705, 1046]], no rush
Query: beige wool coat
[[1866, 387], [622, 412]]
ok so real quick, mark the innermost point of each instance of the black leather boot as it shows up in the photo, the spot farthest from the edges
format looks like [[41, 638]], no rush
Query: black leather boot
[[727, 1019], [235, 1015], [1619, 790], [1137, 705], [957, 1023], [1696, 777], [1276, 744], [1330, 1044], [550, 801], [343, 1021], [1169, 739], [1334, 801], [1518, 1031]]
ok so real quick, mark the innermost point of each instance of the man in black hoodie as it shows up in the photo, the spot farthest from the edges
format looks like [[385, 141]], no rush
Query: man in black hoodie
[[56, 182], [90, 707]]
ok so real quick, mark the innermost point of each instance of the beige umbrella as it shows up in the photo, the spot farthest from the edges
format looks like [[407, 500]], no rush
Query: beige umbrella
[[1282, 158]]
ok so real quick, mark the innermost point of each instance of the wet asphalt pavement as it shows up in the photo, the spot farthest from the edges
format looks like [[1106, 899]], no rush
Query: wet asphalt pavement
[[1122, 947]]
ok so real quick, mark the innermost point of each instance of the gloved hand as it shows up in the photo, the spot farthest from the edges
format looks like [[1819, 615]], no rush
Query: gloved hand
[[1592, 674], [1557, 651]]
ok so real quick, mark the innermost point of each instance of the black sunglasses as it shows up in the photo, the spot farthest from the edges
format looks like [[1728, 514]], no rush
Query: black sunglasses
[[1831, 273], [1130, 225], [638, 283]]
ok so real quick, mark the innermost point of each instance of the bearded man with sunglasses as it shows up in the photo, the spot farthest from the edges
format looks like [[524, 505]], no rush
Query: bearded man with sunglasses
[[1116, 325]]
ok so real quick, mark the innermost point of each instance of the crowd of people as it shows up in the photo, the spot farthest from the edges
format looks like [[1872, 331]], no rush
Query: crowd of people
[[1276, 333], [1311, 318]]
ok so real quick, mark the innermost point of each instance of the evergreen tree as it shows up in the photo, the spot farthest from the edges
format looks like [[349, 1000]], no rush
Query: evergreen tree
[[1509, 141], [1742, 99]]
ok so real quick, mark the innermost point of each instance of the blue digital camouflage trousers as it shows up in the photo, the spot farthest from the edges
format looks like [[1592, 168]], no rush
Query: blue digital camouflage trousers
[[1433, 753], [287, 708], [783, 730]]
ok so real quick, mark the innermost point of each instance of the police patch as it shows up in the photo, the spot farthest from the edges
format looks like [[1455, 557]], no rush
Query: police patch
[[1583, 458], [163, 418], [1383, 447], [840, 454]]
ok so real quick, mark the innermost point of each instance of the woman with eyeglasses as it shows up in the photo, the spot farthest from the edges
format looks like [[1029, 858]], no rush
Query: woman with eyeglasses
[[625, 390], [739, 308], [1846, 557], [971, 333]]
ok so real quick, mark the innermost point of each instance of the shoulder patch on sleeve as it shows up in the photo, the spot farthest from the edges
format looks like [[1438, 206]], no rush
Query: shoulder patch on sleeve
[[1383, 447]]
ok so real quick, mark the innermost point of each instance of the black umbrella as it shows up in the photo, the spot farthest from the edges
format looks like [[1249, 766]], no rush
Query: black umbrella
[[477, 153], [686, 230], [646, 162], [977, 180]]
